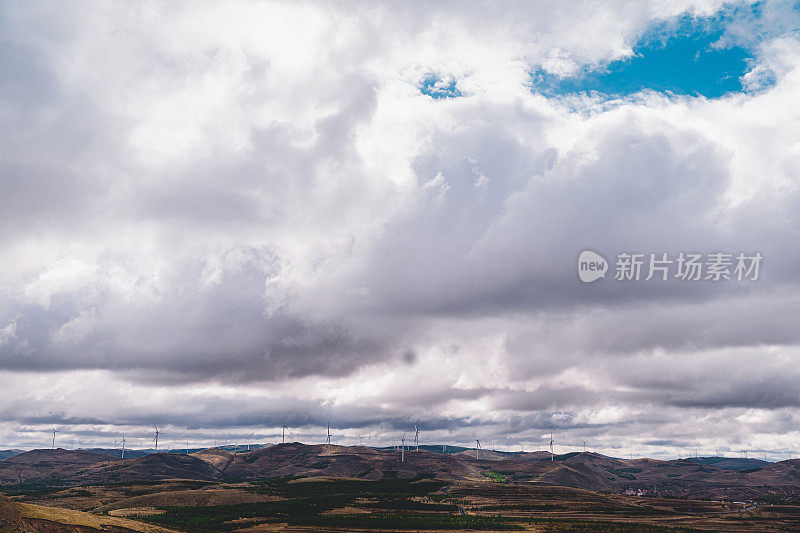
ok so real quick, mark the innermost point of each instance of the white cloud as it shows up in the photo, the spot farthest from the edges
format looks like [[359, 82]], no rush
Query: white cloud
[[221, 196]]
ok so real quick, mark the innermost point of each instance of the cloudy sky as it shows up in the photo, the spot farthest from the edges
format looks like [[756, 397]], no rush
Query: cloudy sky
[[226, 216]]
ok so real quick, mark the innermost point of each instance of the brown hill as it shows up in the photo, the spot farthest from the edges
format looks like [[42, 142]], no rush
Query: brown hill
[[687, 478], [154, 466], [218, 458], [591, 471], [204, 496], [39, 465], [11, 520], [483, 455], [26, 518], [353, 462], [574, 475]]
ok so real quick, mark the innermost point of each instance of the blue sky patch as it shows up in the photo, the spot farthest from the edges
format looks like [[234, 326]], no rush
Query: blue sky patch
[[439, 87], [685, 56]]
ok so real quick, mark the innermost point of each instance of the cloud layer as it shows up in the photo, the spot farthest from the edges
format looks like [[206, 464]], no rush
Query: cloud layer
[[224, 218]]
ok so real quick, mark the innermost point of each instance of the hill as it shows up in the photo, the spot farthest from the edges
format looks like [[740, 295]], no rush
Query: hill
[[216, 457], [5, 454], [584, 470], [730, 463], [117, 452], [26, 518], [151, 467], [345, 461], [38, 465]]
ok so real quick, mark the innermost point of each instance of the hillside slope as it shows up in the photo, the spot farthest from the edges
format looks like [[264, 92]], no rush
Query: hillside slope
[[26, 518], [584, 470], [39, 465]]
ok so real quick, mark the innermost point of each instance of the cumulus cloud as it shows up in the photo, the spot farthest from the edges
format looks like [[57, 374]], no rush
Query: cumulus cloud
[[209, 209]]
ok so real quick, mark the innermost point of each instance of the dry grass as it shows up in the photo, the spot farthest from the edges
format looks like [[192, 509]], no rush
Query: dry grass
[[79, 518]]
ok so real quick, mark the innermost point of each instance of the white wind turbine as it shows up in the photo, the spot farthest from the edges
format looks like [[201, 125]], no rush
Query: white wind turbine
[[416, 437], [155, 439], [123, 446], [552, 455], [477, 448], [53, 445], [403, 448], [328, 440], [284, 429]]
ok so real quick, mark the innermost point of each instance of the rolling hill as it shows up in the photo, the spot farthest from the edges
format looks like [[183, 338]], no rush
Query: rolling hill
[[5, 454], [584, 470], [26, 518], [38, 465]]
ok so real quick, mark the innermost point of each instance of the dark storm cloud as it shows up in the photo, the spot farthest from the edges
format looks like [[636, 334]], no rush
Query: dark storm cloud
[[215, 413], [55, 418], [770, 393], [242, 347]]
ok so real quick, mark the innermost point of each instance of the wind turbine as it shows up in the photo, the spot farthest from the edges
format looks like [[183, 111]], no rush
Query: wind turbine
[[156, 437], [53, 446], [584, 446], [328, 442], [403, 448], [416, 437], [552, 455], [477, 448], [284, 429], [123, 446]]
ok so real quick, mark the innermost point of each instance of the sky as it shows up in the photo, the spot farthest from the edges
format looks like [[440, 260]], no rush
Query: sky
[[224, 217]]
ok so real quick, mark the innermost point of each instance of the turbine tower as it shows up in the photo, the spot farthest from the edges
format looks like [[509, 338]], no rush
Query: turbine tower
[[477, 448], [53, 445], [328, 442], [403, 448], [155, 439], [552, 455], [416, 437], [123, 446]]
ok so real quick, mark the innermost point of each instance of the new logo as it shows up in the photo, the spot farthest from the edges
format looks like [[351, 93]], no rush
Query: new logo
[[591, 266]]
